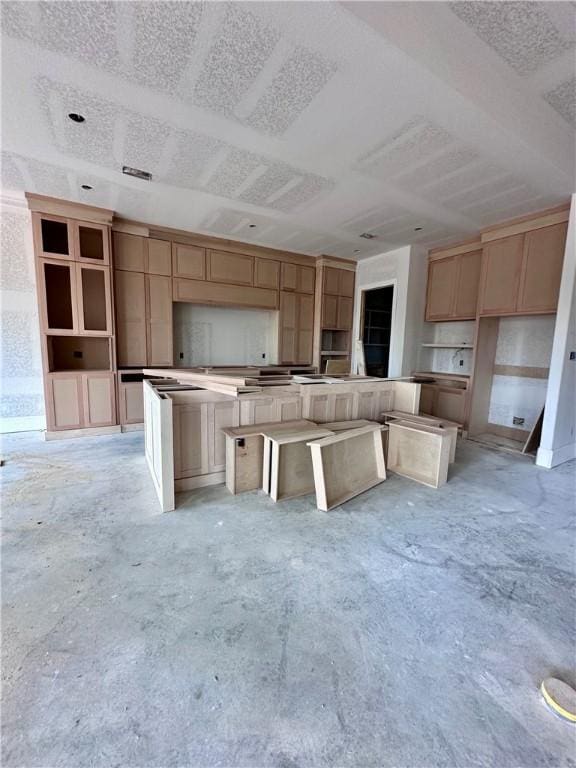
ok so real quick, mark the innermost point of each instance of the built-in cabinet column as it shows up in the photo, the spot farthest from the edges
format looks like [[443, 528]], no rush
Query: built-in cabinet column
[[334, 312], [296, 321]]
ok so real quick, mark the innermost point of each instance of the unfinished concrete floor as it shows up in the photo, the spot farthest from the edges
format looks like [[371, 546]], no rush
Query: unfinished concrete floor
[[410, 627]]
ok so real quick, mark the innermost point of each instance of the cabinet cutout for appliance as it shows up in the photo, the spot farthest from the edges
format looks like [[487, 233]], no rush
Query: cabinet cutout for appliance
[[55, 237], [78, 353], [59, 289]]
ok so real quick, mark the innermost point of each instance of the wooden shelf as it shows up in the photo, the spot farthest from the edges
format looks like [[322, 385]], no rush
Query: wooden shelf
[[448, 346], [334, 352]]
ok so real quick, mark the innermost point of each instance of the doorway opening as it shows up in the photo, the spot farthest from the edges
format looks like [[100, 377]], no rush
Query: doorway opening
[[376, 329]]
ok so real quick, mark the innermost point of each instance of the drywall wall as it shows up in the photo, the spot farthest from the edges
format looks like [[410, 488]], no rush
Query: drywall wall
[[405, 269], [206, 335], [522, 341], [21, 387], [558, 441]]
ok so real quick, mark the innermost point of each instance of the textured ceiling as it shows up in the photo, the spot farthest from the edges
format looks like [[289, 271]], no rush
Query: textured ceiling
[[312, 122]]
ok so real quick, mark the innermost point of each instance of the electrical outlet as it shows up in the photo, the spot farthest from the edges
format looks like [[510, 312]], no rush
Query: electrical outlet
[[518, 420], [572, 355], [181, 355], [461, 363], [78, 353], [263, 355]]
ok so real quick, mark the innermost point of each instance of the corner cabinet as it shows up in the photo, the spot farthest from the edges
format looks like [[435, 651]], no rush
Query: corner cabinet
[[521, 273]]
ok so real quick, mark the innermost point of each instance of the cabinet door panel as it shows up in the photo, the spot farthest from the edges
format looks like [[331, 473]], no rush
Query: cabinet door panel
[[289, 408], [343, 406], [91, 242], [220, 415], [159, 320], [331, 283], [129, 290], [306, 279], [190, 440], [468, 281], [53, 236], [305, 328], [94, 300], [99, 399], [288, 327], [267, 273], [131, 403], [501, 265], [542, 269], [347, 282], [188, 261], [329, 311], [129, 251], [289, 278], [158, 257], [58, 296], [450, 404], [64, 407], [345, 307], [235, 268], [441, 288]]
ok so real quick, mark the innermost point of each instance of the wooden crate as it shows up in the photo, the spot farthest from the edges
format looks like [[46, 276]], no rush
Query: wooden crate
[[419, 452]]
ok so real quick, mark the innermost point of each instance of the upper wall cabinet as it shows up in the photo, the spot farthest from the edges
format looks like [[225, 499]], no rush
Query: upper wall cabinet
[[128, 251], [453, 287], [68, 239], [338, 282], [188, 261], [158, 257], [266, 273], [296, 277], [521, 274], [234, 268]]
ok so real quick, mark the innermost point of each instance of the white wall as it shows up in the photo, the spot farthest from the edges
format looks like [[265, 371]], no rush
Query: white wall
[[21, 388], [209, 335], [405, 269], [558, 441]]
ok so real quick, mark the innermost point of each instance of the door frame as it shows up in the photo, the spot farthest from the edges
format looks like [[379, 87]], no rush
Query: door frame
[[358, 326]]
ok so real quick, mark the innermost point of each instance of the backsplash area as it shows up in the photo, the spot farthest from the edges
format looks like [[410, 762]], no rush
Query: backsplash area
[[205, 335]]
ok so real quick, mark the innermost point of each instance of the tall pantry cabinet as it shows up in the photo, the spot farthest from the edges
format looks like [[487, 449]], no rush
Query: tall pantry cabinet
[[74, 285]]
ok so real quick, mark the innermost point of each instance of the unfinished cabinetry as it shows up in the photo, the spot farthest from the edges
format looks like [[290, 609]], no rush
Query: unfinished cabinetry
[[79, 400], [296, 328], [297, 277], [234, 268], [188, 261], [66, 238], [334, 314], [266, 273], [453, 278], [521, 273], [159, 348], [130, 397], [130, 295]]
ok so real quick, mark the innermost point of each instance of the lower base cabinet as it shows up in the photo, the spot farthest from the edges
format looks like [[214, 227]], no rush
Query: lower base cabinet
[[78, 400], [445, 402], [130, 402]]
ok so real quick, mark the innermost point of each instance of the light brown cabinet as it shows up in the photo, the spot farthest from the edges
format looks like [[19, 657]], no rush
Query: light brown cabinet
[[521, 274], [130, 399], [344, 317], [199, 444], [234, 268], [129, 251], [75, 298], [445, 402], [159, 348], [158, 255], [130, 295], [144, 319], [296, 277], [452, 289], [68, 239], [188, 261], [542, 269], [337, 312], [296, 327], [78, 400], [267, 273], [338, 282]]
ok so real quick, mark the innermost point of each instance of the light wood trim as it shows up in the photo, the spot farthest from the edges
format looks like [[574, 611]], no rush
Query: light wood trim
[[201, 292], [159, 444], [522, 371], [465, 246], [68, 209], [485, 342], [546, 218], [337, 262], [128, 228]]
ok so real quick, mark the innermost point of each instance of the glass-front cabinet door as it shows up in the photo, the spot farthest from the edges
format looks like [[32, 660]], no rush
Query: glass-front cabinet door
[[58, 296], [94, 300], [54, 236], [91, 242]]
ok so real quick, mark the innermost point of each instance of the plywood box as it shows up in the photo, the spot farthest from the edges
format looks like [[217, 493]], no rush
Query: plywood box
[[419, 452], [287, 466], [347, 464]]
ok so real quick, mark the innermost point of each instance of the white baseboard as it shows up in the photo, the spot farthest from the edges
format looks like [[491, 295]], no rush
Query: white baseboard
[[22, 424], [549, 458]]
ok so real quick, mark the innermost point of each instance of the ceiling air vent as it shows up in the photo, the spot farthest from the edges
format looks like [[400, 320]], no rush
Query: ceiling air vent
[[137, 173], [367, 236]]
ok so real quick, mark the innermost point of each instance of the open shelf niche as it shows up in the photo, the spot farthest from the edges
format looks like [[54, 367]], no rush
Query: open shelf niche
[[79, 353], [444, 345]]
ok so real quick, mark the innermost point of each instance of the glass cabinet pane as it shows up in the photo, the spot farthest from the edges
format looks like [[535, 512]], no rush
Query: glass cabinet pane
[[58, 285], [94, 299], [55, 237], [91, 243]]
